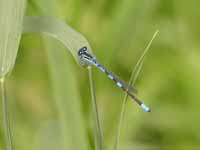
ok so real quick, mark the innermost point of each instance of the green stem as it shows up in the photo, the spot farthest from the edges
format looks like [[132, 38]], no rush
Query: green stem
[[134, 75], [97, 128], [132, 81], [6, 122]]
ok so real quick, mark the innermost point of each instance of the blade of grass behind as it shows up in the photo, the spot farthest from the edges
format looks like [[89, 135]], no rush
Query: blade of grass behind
[[64, 81], [134, 76], [67, 97], [11, 19]]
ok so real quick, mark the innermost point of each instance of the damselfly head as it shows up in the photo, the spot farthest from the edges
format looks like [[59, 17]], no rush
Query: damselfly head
[[82, 51], [85, 58]]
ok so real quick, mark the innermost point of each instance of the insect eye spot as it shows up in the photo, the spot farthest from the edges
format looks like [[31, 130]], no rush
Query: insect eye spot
[[84, 48], [80, 52]]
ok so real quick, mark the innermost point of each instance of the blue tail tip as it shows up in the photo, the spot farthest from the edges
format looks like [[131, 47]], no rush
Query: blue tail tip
[[145, 108]]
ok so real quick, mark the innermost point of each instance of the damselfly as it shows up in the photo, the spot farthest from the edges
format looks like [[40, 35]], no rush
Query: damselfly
[[87, 59]]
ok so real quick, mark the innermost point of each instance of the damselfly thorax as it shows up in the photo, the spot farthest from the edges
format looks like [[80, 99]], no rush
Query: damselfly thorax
[[86, 59]]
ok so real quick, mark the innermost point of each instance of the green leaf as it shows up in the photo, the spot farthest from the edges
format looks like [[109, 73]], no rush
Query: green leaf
[[11, 19]]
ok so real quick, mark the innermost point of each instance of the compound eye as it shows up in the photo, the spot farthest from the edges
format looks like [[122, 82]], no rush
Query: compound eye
[[84, 49], [80, 52]]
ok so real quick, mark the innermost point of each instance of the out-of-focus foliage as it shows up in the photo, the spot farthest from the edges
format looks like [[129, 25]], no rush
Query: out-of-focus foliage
[[118, 32], [11, 16]]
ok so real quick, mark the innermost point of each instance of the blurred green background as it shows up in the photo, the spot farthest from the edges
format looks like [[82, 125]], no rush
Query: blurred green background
[[118, 32]]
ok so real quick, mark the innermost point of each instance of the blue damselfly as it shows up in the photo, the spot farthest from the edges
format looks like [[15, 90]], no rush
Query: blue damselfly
[[87, 59]]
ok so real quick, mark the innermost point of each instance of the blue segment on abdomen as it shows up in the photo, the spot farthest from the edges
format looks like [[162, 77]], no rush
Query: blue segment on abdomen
[[119, 84], [145, 107], [110, 76]]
